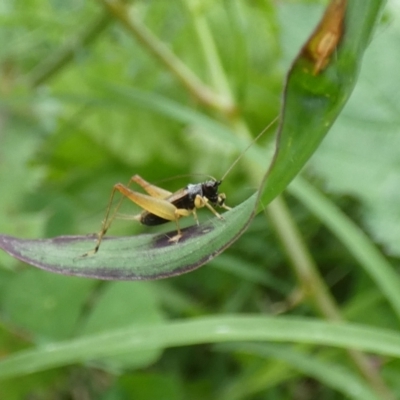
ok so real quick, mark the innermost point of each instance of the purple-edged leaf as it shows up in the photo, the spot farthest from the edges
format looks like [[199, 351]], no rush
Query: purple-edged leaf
[[139, 257], [318, 85]]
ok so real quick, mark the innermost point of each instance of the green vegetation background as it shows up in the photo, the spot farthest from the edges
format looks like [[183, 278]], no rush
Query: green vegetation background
[[68, 134]]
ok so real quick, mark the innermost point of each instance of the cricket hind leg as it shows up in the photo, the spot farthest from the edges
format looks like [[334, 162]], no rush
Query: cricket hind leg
[[107, 220], [160, 207], [152, 190]]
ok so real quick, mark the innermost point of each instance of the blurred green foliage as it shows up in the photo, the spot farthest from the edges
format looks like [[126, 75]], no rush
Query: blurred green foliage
[[67, 135]]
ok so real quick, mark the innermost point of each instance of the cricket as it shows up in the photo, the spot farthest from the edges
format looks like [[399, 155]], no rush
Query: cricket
[[161, 206]]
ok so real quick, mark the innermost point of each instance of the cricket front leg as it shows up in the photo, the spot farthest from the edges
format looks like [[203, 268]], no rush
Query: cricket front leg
[[221, 201], [200, 202]]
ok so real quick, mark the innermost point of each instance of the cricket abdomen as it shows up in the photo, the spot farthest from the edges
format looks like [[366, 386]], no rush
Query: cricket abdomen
[[150, 219]]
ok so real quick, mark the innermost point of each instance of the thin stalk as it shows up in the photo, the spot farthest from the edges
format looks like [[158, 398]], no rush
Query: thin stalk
[[161, 52], [217, 73], [314, 286], [219, 78], [355, 240], [59, 59], [209, 48]]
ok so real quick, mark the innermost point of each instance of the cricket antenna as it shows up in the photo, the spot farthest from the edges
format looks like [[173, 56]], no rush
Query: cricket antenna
[[186, 176], [247, 148]]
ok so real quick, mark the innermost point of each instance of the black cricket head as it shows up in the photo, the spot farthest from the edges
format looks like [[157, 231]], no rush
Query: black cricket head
[[210, 191]]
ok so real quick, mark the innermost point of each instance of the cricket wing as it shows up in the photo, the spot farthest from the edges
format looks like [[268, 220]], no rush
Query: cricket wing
[[181, 199]]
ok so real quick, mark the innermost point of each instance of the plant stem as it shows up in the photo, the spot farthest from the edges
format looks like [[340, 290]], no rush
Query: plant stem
[[209, 49], [315, 288], [58, 60], [356, 241], [162, 53]]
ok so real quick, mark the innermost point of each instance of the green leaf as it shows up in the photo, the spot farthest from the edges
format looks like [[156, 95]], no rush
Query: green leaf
[[136, 257], [314, 95], [333, 375], [125, 305], [56, 309], [361, 155], [312, 101], [356, 241], [202, 330]]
